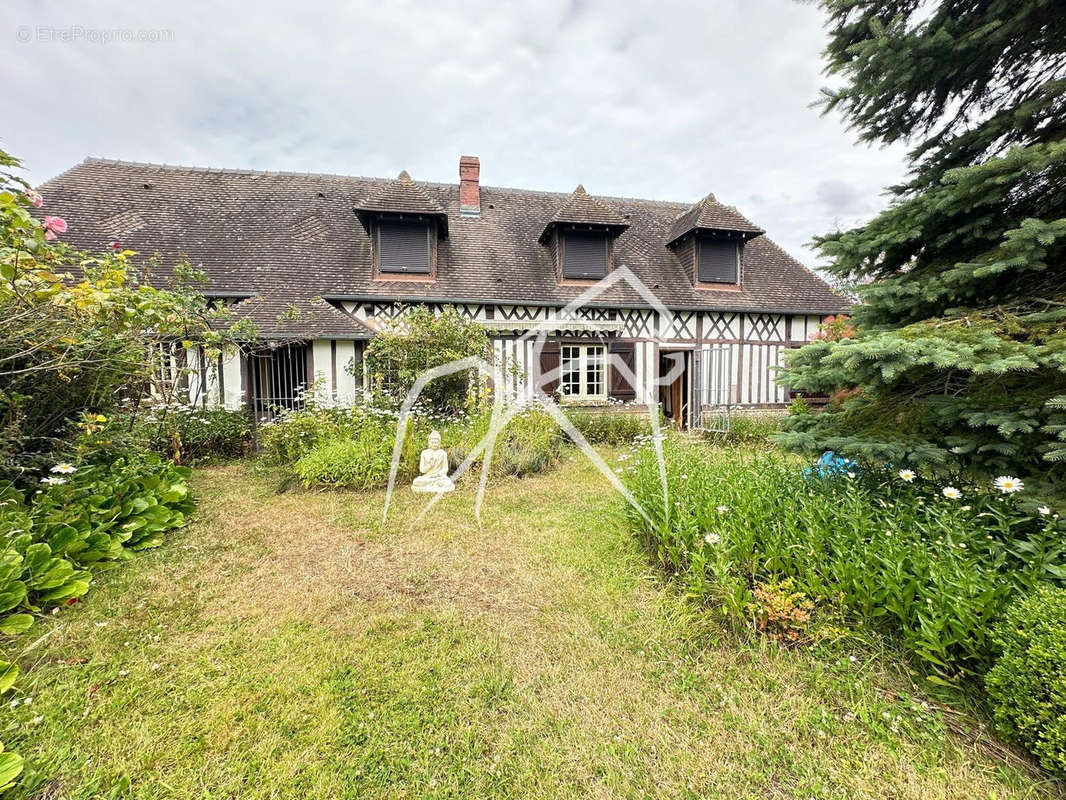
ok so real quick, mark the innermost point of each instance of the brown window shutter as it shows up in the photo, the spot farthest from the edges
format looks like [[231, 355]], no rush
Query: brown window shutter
[[584, 255], [619, 385], [718, 261], [403, 247], [549, 362]]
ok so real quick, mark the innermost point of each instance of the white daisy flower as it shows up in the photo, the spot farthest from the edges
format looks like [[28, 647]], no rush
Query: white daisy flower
[[1043, 511], [951, 493], [712, 538], [722, 509], [64, 468], [54, 481], [1007, 484], [907, 475], [851, 474]]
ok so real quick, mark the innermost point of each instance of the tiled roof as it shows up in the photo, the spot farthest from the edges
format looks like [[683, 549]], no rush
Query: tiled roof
[[402, 196], [279, 317], [582, 209], [286, 239], [710, 215]]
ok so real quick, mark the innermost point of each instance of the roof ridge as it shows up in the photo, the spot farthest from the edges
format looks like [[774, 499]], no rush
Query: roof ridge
[[377, 179], [227, 170]]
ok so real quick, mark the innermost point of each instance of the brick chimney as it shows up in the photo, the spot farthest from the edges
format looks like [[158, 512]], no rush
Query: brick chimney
[[469, 187]]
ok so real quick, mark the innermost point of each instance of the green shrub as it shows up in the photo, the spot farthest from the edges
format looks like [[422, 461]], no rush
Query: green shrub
[[353, 447], [188, 433], [79, 518], [360, 463], [610, 427], [419, 340], [288, 438], [532, 442], [897, 557], [1027, 685], [752, 430]]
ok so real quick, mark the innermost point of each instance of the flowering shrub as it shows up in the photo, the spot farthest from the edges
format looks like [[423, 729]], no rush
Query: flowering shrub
[[1027, 685], [888, 549], [835, 328], [81, 331]]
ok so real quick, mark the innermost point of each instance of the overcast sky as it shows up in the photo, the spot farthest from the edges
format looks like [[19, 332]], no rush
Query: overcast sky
[[661, 100]]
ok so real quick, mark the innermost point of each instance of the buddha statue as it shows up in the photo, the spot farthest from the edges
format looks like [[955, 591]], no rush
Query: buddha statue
[[433, 466]]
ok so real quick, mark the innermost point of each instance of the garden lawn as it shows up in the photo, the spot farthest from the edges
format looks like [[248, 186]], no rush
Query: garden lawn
[[285, 646]]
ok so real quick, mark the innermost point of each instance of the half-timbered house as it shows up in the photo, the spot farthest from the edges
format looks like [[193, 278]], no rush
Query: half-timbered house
[[320, 262]]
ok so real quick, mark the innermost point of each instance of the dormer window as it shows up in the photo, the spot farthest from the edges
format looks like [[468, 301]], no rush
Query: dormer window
[[584, 255], [403, 248], [708, 239], [718, 261], [580, 233], [405, 225]]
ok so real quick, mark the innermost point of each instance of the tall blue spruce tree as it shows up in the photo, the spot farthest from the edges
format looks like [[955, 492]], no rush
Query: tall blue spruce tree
[[957, 361]]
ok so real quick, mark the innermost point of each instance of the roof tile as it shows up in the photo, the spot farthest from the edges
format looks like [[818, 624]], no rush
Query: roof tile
[[290, 238]]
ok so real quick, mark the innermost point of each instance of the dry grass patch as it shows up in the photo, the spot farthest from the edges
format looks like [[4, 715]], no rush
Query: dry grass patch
[[287, 646]]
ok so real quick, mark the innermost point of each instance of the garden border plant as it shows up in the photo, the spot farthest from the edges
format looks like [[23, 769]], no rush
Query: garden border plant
[[931, 565], [81, 336]]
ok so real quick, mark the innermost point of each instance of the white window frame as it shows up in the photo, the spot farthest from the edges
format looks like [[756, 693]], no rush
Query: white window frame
[[583, 394]]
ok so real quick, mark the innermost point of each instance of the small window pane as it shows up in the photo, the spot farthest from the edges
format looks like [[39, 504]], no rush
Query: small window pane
[[403, 247], [594, 371], [718, 261], [571, 371], [584, 255]]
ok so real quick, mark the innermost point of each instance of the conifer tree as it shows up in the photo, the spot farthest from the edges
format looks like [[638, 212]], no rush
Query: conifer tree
[[955, 359]]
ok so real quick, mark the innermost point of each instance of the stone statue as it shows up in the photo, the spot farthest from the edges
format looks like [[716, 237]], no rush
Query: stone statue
[[433, 464]]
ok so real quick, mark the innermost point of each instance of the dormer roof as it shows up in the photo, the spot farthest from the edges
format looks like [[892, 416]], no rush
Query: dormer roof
[[710, 215], [405, 198], [580, 208]]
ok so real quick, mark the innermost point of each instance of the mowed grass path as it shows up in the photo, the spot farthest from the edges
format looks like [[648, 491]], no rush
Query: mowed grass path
[[284, 646]]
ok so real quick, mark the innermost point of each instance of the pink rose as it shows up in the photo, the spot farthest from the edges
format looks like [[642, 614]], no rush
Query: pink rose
[[55, 224], [35, 198], [49, 235]]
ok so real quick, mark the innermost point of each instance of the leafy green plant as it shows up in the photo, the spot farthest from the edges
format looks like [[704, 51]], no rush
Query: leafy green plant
[[932, 565], [362, 462], [611, 426], [748, 429], [416, 341], [1027, 684], [80, 518], [187, 433]]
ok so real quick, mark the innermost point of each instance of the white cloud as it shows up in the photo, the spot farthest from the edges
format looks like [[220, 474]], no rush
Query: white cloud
[[667, 101]]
